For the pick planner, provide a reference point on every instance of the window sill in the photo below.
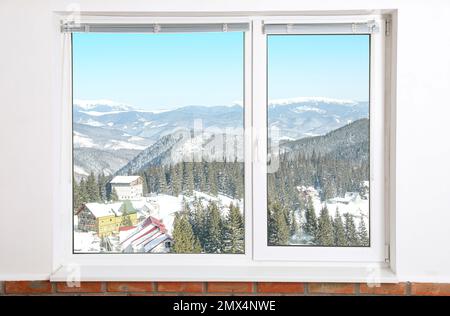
(225, 273)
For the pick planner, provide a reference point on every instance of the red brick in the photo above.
(28, 287)
(192, 287)
(130, 286)
(432, 289)
(85, 287)
(230, 287)
(280, 287)
(383, 289)
(331, 288)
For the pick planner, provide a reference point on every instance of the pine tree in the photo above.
(339, 231)
(114, 196)
(363, 235)
(188, 179)
(234, 231)
(238, 178)
(200, 171)
(102, 182)
(212, 180)
(162, 181)
(294, 227)
(183, 237)
(92, 188)
(76, 196)
(214, 229)
(145, 188)
(278, 226)
(198, 221)
(84, 196)
(175, 179)
(126, 208)
(325, 235)
(351, 235)
(310, 226)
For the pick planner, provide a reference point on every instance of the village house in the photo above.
(149, 236)
(128, 187)
(105, 219)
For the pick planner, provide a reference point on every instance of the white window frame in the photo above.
(257, 264)
(376, 251)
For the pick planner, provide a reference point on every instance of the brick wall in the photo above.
(218, 288)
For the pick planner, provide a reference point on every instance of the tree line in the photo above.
(203, 229)
(184, 177)
(329, 174)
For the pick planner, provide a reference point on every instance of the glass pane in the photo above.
(318, 140)
(158, 143)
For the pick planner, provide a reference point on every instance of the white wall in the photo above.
(29, 125)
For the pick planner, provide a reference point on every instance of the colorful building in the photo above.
(106, 219)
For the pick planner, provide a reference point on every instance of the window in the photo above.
(318, 147)
(320, 172)
(244, 142)
(158, 134)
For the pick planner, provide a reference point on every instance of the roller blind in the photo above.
(154, 28)
(322, 28)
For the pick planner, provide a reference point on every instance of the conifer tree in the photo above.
(198, 221)
(278, 225)
(234, 231)
(188, 179)
(339, 231)
(310, 226)
(363, 235)
(351, 235)
(202, 172)
(294, 227)
(102, 182)
(162, 181)
(175, 179)
(324, 235)
(126, 211)
(212, 180)
(76, 196)
(214, 229)
(183, 237)
(145, 187)
(114, 196)
(238, 178)
(84, 196)
(92, 188)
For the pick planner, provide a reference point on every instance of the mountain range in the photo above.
(119, 138)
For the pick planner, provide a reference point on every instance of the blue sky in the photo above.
(334, 66)
(160, 71)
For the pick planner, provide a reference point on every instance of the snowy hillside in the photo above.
(177, 147)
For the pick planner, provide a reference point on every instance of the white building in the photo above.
(128, 187)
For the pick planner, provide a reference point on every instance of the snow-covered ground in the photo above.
(86, 242)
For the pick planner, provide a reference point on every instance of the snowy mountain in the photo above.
(348, 142)
(303, 117)
(101, 106)
(179, 147)
(113, 132)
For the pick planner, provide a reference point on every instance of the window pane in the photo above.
(158, 143)
(318, 140)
